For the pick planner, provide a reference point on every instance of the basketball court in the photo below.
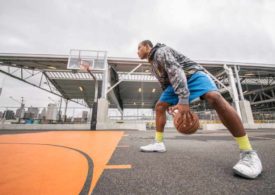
(109, 162)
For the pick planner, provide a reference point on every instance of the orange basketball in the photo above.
(187, 123)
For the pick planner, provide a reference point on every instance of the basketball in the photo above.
(187, 123)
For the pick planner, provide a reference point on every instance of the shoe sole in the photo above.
(243, 175)
(160, 151)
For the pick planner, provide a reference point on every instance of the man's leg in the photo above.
(161, 108)
(249, 165)
(158, 146)
(226, 112)
(167, 98)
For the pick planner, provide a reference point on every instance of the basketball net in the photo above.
(85, 65)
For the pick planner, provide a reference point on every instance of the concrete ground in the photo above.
(195, 164)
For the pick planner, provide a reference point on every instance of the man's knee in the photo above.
(161, 106)
(213, 98)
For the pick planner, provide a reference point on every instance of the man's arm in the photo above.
(175, 73)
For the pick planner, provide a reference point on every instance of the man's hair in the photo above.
(147, 42)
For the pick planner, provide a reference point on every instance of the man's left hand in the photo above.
(182, 108)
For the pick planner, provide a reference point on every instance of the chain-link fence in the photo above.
(77, 115)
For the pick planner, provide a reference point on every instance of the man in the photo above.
(182, 81)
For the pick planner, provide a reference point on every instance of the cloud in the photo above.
(207, 30)
(214, 29)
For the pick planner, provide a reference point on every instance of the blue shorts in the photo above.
(198, 84)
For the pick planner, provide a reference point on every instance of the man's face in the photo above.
(143, 51)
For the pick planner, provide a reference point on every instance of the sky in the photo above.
(227, 30)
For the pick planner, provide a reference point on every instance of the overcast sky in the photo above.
(233, 30)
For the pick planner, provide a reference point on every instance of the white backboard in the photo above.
(96, 60)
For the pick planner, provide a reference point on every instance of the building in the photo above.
(33, 112)
(52, 112)
(20, 112)
(42, 115)
(9, 114)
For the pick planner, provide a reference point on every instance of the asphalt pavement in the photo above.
(193, 164)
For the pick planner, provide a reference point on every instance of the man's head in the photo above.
(144, 48)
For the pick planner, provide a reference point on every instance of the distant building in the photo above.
(52, 112)
(20, 112)
(9, 115)
(77, 120)
(33, 112)
(42, 115)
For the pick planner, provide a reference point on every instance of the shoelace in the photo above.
(153, 143)
(246, 158)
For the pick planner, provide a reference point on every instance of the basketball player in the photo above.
(182, 81)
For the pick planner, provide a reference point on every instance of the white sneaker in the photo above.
(155, 147)
(249, 165)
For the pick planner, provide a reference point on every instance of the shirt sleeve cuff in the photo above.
(183, 101)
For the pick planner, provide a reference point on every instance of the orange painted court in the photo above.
(64, 162)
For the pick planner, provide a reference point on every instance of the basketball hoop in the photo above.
(85, 65)
(85, 60)
(89, 61)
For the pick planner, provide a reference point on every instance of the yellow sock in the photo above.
(159, 136)
(243, 142)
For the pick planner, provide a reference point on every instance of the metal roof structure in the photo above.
(139, 89)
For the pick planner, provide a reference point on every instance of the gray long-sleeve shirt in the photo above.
(172, 68)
